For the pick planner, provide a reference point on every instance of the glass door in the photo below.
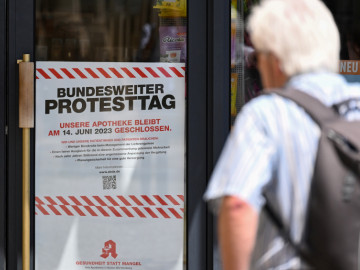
(110, 134)
(119, 156)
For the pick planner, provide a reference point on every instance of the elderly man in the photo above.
(274, 142)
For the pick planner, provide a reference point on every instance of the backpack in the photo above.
(331, 237)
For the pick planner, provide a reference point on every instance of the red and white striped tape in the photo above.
(129, 206)
(110, 72)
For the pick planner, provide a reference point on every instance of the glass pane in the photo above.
(116, 30)
(245, 78)
(110, 134)
(347, 18)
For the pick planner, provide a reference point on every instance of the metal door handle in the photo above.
(26, 121)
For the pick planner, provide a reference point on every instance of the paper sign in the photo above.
(110, 163)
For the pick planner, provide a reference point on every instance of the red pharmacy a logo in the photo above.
(109, 249)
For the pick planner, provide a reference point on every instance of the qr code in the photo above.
(109, 182)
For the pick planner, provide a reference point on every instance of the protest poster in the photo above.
(109, 166)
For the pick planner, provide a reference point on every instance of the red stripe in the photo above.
(184, 68)
(171, 198)
(136, 200)
(86, 199)
(162, 212)
(42, 72)
(117, 73)
(104, 73)
(147, 199)
(42, 209)
(88, 208)
(54, 210)
(57, 75)
(77, 209)
(37, 79)
(92, 73)
(124, 200)
(78, 72)
(128, 72)
(176, 72)
(62, 200)
(102, 211)
(67, 73)
(66, 210)
(112, 200)
(163, 71)
(173, 211)
(127, 212)
(75, 200)
(116, 213)
(102, 203)
(152, 214)
(137, 210)
(160, 200)
(142, 74)
(37, 199)
(152, 72)
(50, 200)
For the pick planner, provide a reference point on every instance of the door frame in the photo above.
(2, 135)
(19, 40)
(208, 119)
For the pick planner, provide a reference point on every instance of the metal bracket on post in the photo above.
(26, 121)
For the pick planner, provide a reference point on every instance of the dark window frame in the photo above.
(2, 135)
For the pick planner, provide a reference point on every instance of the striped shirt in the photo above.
(273, 141)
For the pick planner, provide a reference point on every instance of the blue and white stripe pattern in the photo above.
(273, 144)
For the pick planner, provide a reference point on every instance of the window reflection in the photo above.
(347, 16)
(111, 31)
(245, 78)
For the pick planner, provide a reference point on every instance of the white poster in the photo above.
(110, 154)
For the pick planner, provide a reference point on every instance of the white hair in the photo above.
(302, 34)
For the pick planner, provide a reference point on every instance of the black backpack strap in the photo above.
(318, 111)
